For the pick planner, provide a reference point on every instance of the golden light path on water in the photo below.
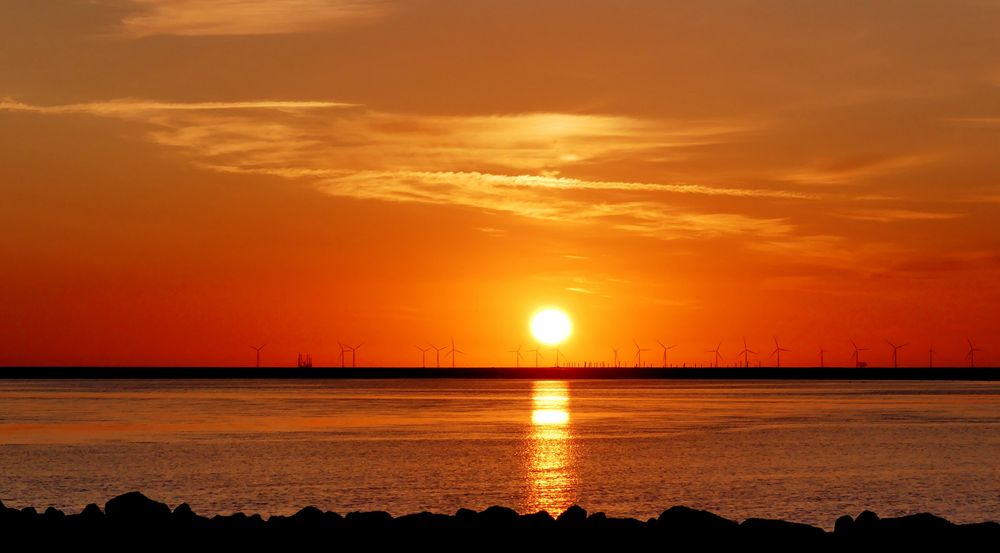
(551, 474)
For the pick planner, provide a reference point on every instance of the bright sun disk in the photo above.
(550, 326)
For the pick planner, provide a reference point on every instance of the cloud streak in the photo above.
(126, 107)
(244, 17)
(369, 155)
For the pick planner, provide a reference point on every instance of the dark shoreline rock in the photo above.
(133, 516)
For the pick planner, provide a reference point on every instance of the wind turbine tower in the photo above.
(517, 355)
(857, 354)
(777, 352)
(746, 354)
(423, 356)
(638, 353)
(354, 354)
(895, 353)
(665, 348)
(538, 354)
(257, 349)
(972, 354)
(453, 351)
(718, 356)
(437, 354)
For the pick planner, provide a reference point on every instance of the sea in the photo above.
(804, 451)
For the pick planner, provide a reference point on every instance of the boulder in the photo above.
(574, 515)
(685, 521)
(498, 517)
(135, 508)
(93, 512)
(781, 531)
(844, 526)
(369, 521)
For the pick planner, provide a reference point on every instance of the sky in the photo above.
(182, 179)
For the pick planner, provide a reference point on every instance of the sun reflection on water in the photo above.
(551, 472)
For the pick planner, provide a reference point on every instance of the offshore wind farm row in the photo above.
(541, 356)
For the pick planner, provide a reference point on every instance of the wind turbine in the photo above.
(453, 351)
(718, 355)
(257, 349)
(518, 356)
(537, 353)
(895, 353)
(777, 352)
(972, 354)
(437, 354)
(930, 357)
(423, 356)
(343, 357)
(857, 354)
(558, 354)
(665, 348)
(638, 353)
(354, 353)
(614, 349)
(746, 353)
(821, 361)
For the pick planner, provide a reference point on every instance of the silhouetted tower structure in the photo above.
(517, 355)
(454, 351)
(437, 354)
(746, 354)
(257, 349)
(972, 354)
(718, 356)
(777, 352)
(423, 356)
(538, 354)
(638, 353)
(895, 353)
(857, 356)
(665, 348)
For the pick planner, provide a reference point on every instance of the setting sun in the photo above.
(550, 326)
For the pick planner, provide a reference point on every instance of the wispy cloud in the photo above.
(579, 290)
(891, 215)
(244, 17)
(130, 108)
(853, 170)
(360, 154)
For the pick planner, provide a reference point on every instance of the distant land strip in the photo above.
(575, 373)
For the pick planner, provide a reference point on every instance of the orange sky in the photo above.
(183, 178)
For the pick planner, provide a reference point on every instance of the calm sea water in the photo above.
(804, 451)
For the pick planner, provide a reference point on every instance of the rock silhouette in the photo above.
(133, 520)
